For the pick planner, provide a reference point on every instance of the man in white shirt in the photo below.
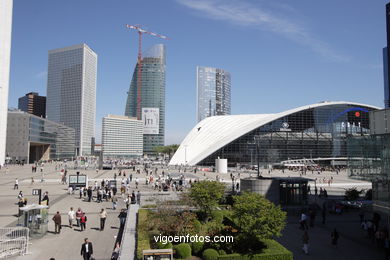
(71, 217)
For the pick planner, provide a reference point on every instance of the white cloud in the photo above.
(244, 14)
(41, 74)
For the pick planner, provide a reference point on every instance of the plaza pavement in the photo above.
(67, 244)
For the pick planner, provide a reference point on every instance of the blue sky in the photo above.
(281, 54)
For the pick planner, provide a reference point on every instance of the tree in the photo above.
(353, 193)
(206, 195)
(170, 222)
(256, 217)
(168, 149)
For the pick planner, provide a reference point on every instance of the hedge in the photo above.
(161, 245)
(143, 241)
(182, 251)
(197, 247)
(273, 251)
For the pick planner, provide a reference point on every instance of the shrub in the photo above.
(143, 241)
(197, 247)
(182, 251)
(197, 226)
(217, 216)
(161, 245)
(221, 252)
(210, 254)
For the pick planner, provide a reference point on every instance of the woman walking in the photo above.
(103, 216)
(305, 240)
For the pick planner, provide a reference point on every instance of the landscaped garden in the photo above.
(248, 221)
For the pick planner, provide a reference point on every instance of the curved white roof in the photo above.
(215, 132)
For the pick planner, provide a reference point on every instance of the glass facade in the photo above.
(319, 132)
(71, 92)
(152, 93)
(213, 92)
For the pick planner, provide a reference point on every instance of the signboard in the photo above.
(80, 180)
(36, 192)
(151, 120)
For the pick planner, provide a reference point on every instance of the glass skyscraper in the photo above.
(386, 59)
(5, 53)
(152, 97)
(213, 92)
(71, 92)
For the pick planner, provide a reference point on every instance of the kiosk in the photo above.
(158, 254)
(35, 218)
(78, 181)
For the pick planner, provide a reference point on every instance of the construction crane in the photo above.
(139, 62)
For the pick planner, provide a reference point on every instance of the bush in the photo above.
(217, 216)
(221, 252)
(197, 248)
(197, 226)
(210, 254)
(161, 245)
(182, 251)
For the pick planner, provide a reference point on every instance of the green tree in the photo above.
(256, 217)
(206, 195)
(167, 150)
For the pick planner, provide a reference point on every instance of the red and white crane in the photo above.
(139, 62)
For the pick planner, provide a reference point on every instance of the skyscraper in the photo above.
(71, 92)
(5, 53)
(212, 92)
(386, 59)
(152, 97)
(33, 103)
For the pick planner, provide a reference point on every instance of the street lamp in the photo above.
(185, 154)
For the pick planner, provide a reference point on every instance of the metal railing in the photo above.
(13, 241)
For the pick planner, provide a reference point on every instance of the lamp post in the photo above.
(185, 154)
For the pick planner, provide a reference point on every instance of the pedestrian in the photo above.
(335, 236)
(128, 201)
(115, 252)
(122, 217)
(32, 181)
(305, 240)
(45, 200)
(312, 215)
(136, 183)
(16, 185)
(71, 217)
(133, 198)
(114, 200)
(57, 222)
(303, 221)
(86, 249)
(138, 197)
(79, 214)
(83, 222)
(89, 193)
(103, 216)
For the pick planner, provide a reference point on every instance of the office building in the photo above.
(33, 103)
(213, 92)
(122, 137)
(5, 53)
(386, 59)
(312, 134)
(152, 97)
(31, 138)
(71, 92)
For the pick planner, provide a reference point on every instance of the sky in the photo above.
(281, 54)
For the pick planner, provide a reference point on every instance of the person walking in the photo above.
(79, 214)
(89, 193)
(138, 197)
(57, 222)
(83, 222)
(122, 217)
(114, 200)
(303, 221)
(71, 217)
(86, 249)
(335, 237)
(103, 216)
(305, 240)
(16, 185)
(128, 201)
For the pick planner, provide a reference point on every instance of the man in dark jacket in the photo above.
(86, 249)
(89, 193)
(57, 222)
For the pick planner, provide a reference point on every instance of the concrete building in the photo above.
(31, 138)
(33, 103)
(122, 137)
(5, 54)
(213, 92)
(152, 107)
(71, 92)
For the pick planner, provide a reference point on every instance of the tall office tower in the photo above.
(33, 103)
(386, 59)
(5, 53)
(152, 97)
(71, 92)
(212, 92)
(122, 137)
